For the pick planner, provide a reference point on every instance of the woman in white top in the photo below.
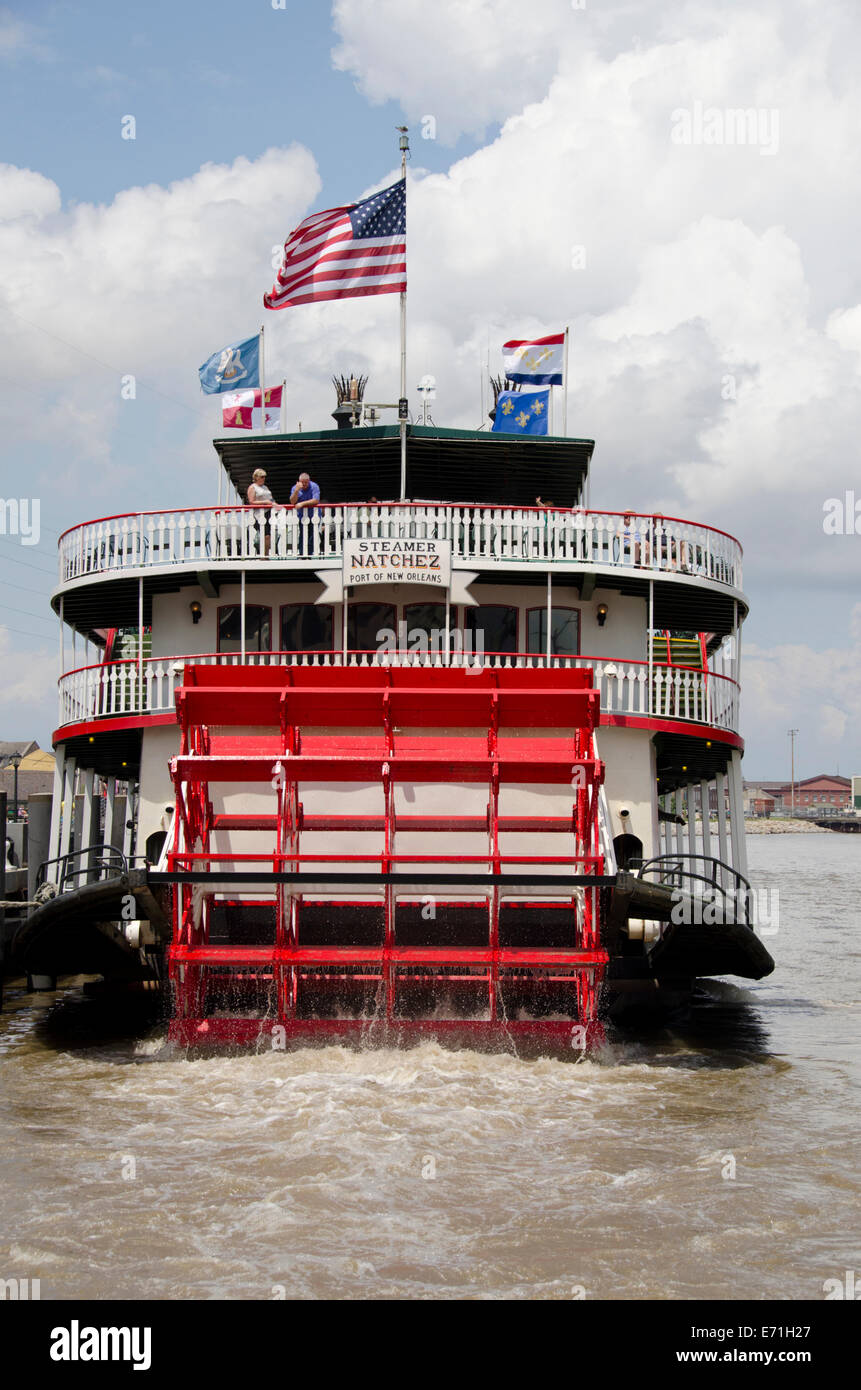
(258, 495)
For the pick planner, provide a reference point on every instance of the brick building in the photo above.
(825, 792)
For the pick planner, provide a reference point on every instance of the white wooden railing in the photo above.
(116, 689)
(202, 536)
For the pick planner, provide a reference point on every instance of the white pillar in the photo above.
(242, 616)
(720, 787)
(691, 804)
(56, 803)
(89, 834)
(651, 640)
(549, 615)
(131, 816)
(705, 801)
(110, 809)
(736, 815)
(69, 781)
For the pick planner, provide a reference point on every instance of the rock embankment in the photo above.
(761, 825)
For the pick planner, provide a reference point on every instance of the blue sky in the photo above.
(552, 130)
(204, 81)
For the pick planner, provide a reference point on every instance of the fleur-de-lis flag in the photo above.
(521, 412)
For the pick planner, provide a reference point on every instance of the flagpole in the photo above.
(404, 145)
(284, 406)
(262, 387)
(565, 386)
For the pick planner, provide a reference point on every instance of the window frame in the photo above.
(319, 606)
(556, 608)
(222, 608)
(370, 603)
(454, 612)
(512, 608)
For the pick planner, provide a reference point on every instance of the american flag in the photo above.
(358, 249)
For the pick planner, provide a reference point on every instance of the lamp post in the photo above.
(15, 761)
(792, 733)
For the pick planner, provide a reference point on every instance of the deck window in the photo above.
(498, 624)
(307, 627)
(365, 620)
(564, 631)
(258, 628)
(429, 618)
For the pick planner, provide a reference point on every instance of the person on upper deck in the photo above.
(303, 497)
(258, 495)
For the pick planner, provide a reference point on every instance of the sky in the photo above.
(576, 163)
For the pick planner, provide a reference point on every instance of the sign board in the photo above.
(377, 561)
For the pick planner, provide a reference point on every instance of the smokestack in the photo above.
(350, 391)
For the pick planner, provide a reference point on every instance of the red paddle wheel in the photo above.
(366, 852)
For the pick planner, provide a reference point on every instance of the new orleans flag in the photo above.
(521, 412)
(539, 362)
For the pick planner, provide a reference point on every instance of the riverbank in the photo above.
(761, 825)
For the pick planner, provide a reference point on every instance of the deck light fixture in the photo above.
(601, 614)
(196, 610)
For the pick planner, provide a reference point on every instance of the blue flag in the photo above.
(236, 365)
(521, 412)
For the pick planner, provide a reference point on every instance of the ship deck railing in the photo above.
(89, 864)
(498, 537)
(705, 877)
(120, 689)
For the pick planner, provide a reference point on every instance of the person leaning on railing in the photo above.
(303, 497)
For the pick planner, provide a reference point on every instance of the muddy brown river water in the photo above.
(714, 1159)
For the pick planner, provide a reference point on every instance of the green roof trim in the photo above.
(445, 465)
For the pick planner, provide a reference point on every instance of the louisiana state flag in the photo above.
(232, 367)
(521, 412)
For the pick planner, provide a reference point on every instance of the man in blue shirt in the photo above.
(304, 495)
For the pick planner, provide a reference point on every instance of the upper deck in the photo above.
(701, 566)
(487, 485)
